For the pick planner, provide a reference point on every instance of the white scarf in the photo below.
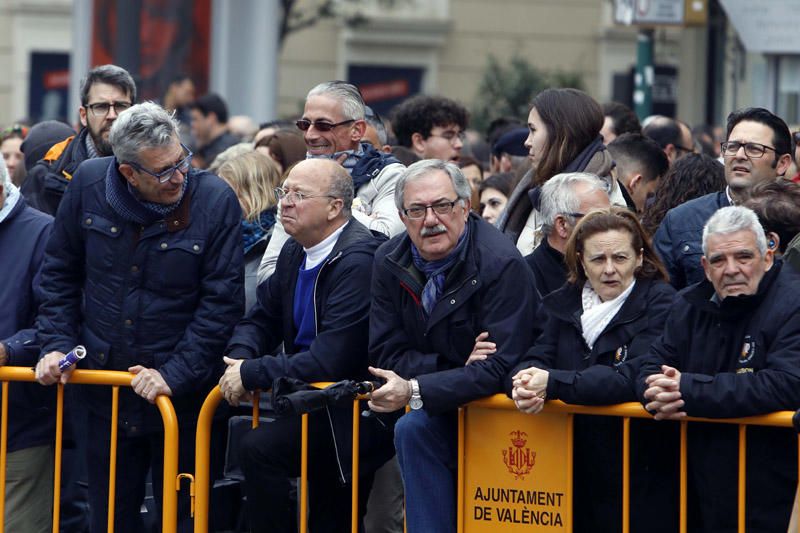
(597, 314)
(12, 197)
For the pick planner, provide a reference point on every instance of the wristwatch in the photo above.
(416, 400)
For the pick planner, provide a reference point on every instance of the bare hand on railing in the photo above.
(482, 348)
(664, 393)
(530, 389)
(48, 372)
(392, 395)
(230, 384)
(149, 383)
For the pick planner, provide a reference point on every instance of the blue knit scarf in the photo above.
(253, 232)
(124, 200)
(436, 271)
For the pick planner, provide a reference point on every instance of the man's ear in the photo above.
(773, 241)
(358, 130)
(418, 143)
(127, 172)
(706, 267)
(670, 150)
(634, 182)
(784, 162)
(560, 227)
(82, 116)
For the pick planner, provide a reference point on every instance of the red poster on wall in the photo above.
(155, 40)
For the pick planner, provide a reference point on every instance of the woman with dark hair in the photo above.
(493, 195)
(564, 136)
(692, 176)
(612, 308)
(473, 171)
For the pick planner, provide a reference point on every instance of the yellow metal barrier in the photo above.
(628, 411)
(203, 457)
(169, 522)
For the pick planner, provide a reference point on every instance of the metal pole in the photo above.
(643, 79)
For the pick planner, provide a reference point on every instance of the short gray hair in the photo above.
(342, 187)
(732, 219)
(426, 166)
(145, 125)
(347, 93)
(558, 196)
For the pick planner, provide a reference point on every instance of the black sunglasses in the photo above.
(321, 125)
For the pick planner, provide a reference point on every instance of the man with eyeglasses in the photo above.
(758, 149)
(432, 126)
(451, 277)
(317, 305)
(107, 91)
(145, 269)
(333, 126)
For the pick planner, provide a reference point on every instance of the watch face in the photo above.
(415, 403)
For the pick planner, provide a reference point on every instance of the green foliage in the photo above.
(507, 90)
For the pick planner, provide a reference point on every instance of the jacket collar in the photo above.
(565, 303)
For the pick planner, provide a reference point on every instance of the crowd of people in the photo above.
(575, 254)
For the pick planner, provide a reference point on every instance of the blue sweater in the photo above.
(304, 313)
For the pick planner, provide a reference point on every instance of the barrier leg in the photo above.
(460, 487)
(3, 454)
(354, 491)
(684, 479)
(742, 476)
(304, 476)
(112, 457)
(570, 466)
(626, 475)
(57, 462)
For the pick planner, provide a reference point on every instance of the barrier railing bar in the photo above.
(112, 458)
(742, 476)
(684, 481)
(256, 407)
(355, 464)
(169, 506)
(570, 450)
(626, 475)
(304, 475)
(460, 466)
(202, 476)
(798, 477)
(58, 454)
(3, 452)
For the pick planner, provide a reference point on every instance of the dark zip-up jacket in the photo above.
(47, 180)
(605, 375)
(489, 289)
(23, 237)
(339, 350)
(738, 358)
(678, 239)
(165, 296)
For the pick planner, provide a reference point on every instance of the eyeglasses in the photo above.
(451, 136)
(751, 150)
(684, 149)
(321, 125)
(440, 208)
(101, 109)
(166, 174)
(296, 197)
(574, 215)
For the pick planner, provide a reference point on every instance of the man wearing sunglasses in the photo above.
(145, 269)
(107, 91)
(333, 126)
(758, 149)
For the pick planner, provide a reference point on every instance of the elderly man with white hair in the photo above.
(24, 232)
(731, 348)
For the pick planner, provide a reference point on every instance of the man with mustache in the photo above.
(451, 277)
(106, 91)
(758, 149)
(333, 126)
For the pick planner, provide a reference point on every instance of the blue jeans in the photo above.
(427, 449)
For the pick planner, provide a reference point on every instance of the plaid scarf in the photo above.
(436, 271)
(124, 199)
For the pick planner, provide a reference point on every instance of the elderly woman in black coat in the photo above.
(613, 307)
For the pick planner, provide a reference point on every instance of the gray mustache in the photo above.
(435, 230)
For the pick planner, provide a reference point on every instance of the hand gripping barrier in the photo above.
(202, 461)
(116, 380)
(627, 411)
